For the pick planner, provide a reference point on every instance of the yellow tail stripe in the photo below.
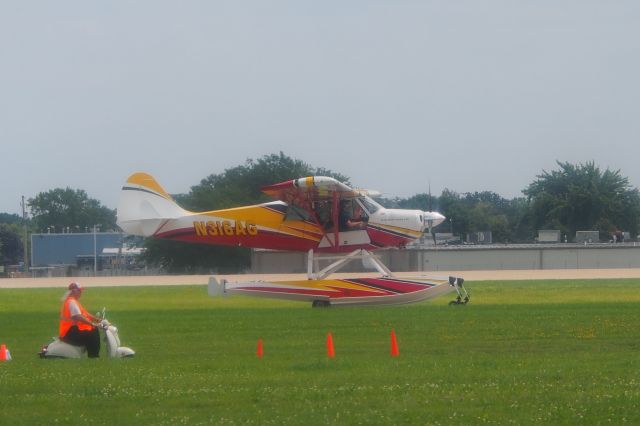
(147, 181)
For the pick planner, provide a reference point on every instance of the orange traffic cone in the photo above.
(260, 350)
(330, 350)
(3, 352)
(394, 344)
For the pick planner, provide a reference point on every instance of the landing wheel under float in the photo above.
(320, 304)
(463, 295)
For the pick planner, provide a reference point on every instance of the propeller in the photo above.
(432, 218)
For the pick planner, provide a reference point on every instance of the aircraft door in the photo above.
(352, 224)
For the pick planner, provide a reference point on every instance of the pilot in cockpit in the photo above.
(351, 217)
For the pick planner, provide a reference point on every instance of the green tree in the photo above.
(61, 208)
(519, 218)
(425, 202)
(10, 218)
(11, 247)
(583, 197)
(478, 211)
(453, 206)
(236, 186)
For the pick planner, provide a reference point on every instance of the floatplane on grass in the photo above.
(313, 214)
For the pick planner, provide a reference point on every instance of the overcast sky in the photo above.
(470, 95)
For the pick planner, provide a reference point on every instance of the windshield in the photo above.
(369, 205)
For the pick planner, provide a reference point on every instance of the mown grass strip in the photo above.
(521, 352)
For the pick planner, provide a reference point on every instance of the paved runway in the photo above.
(161, 280)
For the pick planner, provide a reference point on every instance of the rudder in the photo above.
(144, 206)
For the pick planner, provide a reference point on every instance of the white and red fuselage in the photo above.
(309, 216)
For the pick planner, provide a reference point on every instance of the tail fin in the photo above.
(144, 206)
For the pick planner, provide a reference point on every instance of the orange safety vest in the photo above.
(66, 322)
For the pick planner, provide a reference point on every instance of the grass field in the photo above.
(523, 352)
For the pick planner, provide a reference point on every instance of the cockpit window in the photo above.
(370, 206)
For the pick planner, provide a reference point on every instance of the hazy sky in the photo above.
(471, 95)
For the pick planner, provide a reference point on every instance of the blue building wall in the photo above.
(64, 249)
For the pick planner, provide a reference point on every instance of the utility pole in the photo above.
(95, 253)
(26, 241)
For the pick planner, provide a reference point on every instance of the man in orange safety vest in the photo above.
(77, 326)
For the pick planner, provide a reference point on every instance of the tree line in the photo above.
(571, 198)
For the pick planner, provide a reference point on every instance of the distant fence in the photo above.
(465, 258)
(439, 258)
(72, 271)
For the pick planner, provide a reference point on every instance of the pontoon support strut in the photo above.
(341, 262)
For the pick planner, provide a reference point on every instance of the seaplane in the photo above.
(318, 215)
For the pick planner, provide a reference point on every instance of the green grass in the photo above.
(561, 352)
